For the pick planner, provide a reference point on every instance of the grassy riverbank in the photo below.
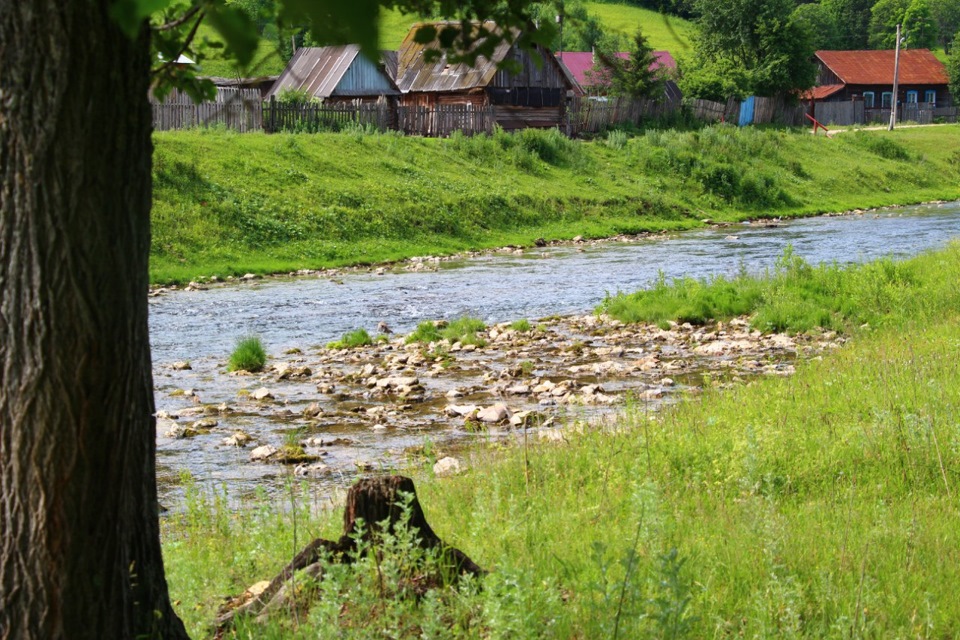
(820, 505)
(227, 203)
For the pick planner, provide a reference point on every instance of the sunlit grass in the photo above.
(227, 204)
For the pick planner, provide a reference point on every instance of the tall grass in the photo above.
(794, 297)
(822, 505)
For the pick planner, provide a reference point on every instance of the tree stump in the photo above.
(375, 506)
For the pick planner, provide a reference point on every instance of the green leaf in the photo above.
(238, 31)
(130, 14)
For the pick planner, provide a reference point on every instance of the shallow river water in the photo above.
(202, 326)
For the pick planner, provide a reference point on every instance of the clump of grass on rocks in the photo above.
(352, 340)
(248, 355)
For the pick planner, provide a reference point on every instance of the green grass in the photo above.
(796, 297)
(227, 203)
(822, 505)
(663, 32)
(248, 355)
(351, 340)
(522, 325)
(463, 330)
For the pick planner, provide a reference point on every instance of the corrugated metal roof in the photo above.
(821, 92)
(917, 66)
(414, 73)
(580, 62)
(320, 70)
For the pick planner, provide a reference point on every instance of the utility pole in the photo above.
(896, 73)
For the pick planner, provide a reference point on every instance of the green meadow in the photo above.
(823, 505)
(227, 203)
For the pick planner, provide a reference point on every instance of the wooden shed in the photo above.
(533, 96)
(336, 74)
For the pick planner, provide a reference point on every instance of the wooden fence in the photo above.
(314, 117)
(592, 115)
(238, 109)
(442, 120)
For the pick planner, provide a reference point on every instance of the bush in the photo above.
(248, 355)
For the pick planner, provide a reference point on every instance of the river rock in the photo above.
(397, 382)
(447, 466)
(526, 418)
(494, 414)
(205, 424)
(313, 410)
(180, 431)
(238, 439)
(181, 366)
(461, 410)
(262, 452)
(262, 394)
(314, 470)
(518, 390)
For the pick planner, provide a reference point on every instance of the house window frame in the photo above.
(886, 100)
(869, 99)
(913, 97)
(930, 96)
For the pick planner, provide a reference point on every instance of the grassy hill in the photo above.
(227, 203)
(663, 32)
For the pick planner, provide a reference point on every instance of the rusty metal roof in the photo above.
(917, 66)
(821, 92)
(414, 73)
(320, 71)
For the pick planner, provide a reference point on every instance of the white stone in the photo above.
(262, 452)
(262, 394)
(447, 466)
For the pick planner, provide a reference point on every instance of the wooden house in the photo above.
(867, 76)
(337, 74)
(534, 96)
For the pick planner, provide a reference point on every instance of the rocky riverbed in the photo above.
(325, 413)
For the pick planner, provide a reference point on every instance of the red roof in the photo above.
(824, 91)
(917, 66)
(580, 62)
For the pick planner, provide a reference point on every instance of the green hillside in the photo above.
(663, 32)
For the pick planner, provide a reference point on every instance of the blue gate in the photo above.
(746, 112)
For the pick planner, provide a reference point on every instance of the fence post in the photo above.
(273, 114)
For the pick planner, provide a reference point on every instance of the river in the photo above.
(202, 326)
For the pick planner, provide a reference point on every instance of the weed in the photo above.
(248, 355)
(425, 332)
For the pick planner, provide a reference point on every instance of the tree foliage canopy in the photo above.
(760, 38)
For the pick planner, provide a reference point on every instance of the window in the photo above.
(912, 97)
(868, 99)
(930, 96)
(886, 100)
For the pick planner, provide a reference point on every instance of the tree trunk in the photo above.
(79, 538)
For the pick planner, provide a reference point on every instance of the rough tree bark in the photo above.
(79, 541)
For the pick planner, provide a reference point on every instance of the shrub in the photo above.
(248, 355)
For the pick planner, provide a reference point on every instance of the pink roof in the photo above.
(580, 62)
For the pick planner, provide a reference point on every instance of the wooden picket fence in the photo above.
(237, 109)
(313, 117)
